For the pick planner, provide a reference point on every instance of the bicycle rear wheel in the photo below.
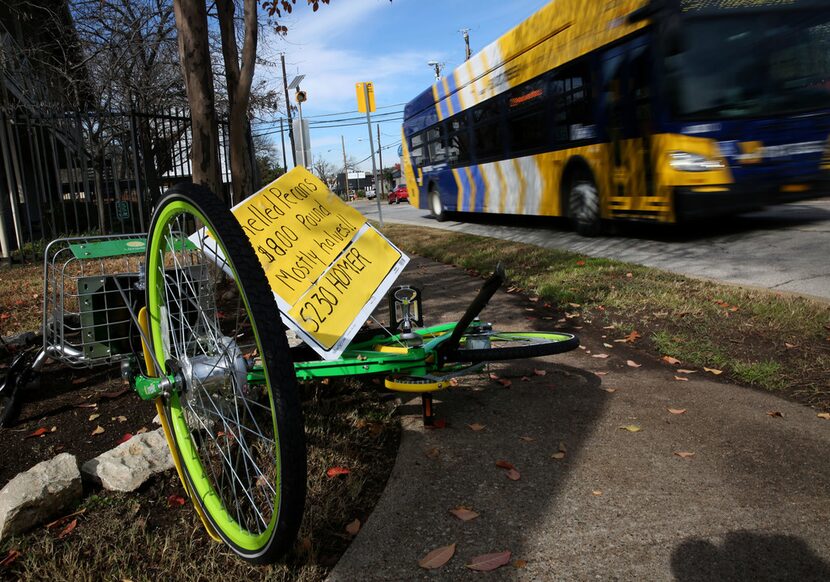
(511, 345)
(212, 316)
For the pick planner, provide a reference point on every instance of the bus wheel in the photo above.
(583, 207)
(436, 206)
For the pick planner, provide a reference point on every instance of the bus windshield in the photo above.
(750, 65)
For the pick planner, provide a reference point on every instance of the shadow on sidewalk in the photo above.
(748, 556)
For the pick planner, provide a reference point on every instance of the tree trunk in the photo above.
(239, 80)
(194, 55)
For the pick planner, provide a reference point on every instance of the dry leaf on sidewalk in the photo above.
(437, 557)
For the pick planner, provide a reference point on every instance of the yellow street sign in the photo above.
(328, 268)
(362, 96)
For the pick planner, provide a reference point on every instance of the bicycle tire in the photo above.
(513, 345)
(241, 444)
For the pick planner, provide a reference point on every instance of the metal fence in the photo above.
(77, 173)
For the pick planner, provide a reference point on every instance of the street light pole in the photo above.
(372, 149)
(437, 66)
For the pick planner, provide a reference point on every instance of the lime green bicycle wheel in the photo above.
(212, 320)
(491, 346)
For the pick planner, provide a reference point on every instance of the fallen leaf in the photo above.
(682, 371)
(596, 492)
(433, 453)
(681, 378)
(630, 338)
(113, 393)
(39, 432)
(540, 372)
(68, 529)
(611, 390)
(514, 475)
(98, 430)
(677, 410)
(125, 438)
(632, 364)
(789, 346)
(607, 345)
(87, 405)
(559, 455)
(601, 373)
(175, 500)
(10, 558)
(353, 527)
(824, 415)
(437, 557)
(580, 263)
(142, 430)
(476, 427)
(488, 562)
(525, 379)
(629, 275)
(336, 472)
(775, 413)
(670, 360)
(527, 439)
(713, 371)
(464, 514)
(505, 382)
(504, 464)
(684, 454)
(77, 381)
(120, 418)
(575, 305)
(94, 416)
(63, 519)
(602, 356)
(631, 428)
(519, 564)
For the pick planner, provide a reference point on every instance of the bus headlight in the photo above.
(689, 162)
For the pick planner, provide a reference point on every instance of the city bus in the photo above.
(658, 110)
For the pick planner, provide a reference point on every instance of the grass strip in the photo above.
(775, 341)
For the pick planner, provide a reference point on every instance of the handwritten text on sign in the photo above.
(327, 267)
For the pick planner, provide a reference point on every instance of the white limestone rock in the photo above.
(43, 492)
(130, 464)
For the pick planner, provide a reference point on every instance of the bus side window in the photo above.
(459, 139)
(435, 147)
(416, 149)
(527, 115)
(489, 141)
(573, 116)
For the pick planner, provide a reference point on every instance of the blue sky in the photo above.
(388, 43)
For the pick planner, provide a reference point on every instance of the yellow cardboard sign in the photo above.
(362, 96)
(328, 268)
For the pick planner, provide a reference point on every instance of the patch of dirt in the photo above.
(73, 402)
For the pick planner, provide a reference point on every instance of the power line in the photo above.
(324, 126)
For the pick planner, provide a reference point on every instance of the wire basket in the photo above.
(86, 321)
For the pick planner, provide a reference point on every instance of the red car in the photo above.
(398, 194)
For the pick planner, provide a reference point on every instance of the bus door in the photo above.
(626, 85)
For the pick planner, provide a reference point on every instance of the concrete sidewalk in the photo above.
(753, 503)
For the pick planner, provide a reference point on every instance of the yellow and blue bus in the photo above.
(654, 110)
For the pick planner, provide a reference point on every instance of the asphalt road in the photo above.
(782, 248)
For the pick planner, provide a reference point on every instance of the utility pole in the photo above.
(345, 166)
(282, 139)
(466, 33)
(380, 156)
(288, 111)
(372, 147)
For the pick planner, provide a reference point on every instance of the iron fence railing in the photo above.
(77, 173)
